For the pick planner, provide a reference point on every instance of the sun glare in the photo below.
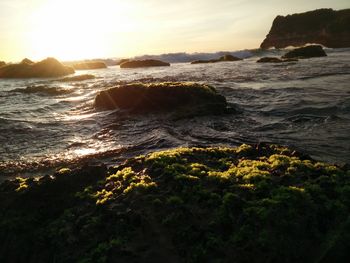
(75, 29)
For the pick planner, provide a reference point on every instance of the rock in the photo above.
(144, 63)
(46, 68)
(27, 61)
(77, 78)
(323, 26)
(122, 61)
(2, 63)
(89, 65)
(224, 58)
(275, 60)
(306, 52)
(197, 204)
(168, 96)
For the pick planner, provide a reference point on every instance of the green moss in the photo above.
(190, 204)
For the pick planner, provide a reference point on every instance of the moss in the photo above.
(185, 204)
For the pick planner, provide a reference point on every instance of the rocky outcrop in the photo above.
(77, 78)
(89, 65)
(306, 52)
(324, 26)
(181, 205)
(275, 60)
(2, 63)
(221, 59)
(161, 97)
(144, 63)
(122, 61)
(27, 61)
(46, 68)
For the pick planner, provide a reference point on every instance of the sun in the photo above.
(75, 29)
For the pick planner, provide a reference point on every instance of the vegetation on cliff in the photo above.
(261, 203)
(323, 26)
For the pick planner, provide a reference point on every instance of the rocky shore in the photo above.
(182, 205)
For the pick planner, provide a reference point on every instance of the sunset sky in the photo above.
(76, 29)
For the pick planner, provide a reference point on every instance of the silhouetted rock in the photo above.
(27, 61)
(122, 61)
(275, 60)
(168, 96)
(77, 78)
(46, 68)
(324, 26)
(89, 65)
(306, 52)
(224, 58)
(144, 63)
(2, 63)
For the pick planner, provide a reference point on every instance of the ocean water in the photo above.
(46, 124)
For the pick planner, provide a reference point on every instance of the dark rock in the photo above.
(46, 68)
(143, 63)
(77, 78)
(166, 96)
(224, 58)
(275, 60)
(2, 63)
(324, 26)
(306, 52)
(27, 61)
(122, 61)
(89, 65)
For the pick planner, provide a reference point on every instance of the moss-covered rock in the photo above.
(143, 63)
(167, 96)
(306, 52)
(260, 203)
(46, 68)
(89, 65)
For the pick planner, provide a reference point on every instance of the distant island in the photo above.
(323, 26)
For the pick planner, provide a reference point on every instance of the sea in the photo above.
(46, 124)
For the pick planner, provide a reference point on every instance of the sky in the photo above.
(78, 29)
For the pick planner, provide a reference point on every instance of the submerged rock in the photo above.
(89, 65)
(224, 58)
(168, 96)
(143, 63)
(306, 52)
(324, 26)
(77, 78)
(275, 60)
(46, 68)
(182, 205)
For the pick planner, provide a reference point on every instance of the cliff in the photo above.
(323, 26)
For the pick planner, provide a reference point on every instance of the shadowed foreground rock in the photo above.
(143, 63)
(275, 60)
(77, 78)
(167, 96)
(46, 68)
(225, 58)
(324, 26)
(254, 204)
(306, 52)
(89, 65)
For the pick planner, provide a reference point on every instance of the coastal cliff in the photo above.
(323, 26)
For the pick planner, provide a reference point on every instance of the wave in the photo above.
(43, 90)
